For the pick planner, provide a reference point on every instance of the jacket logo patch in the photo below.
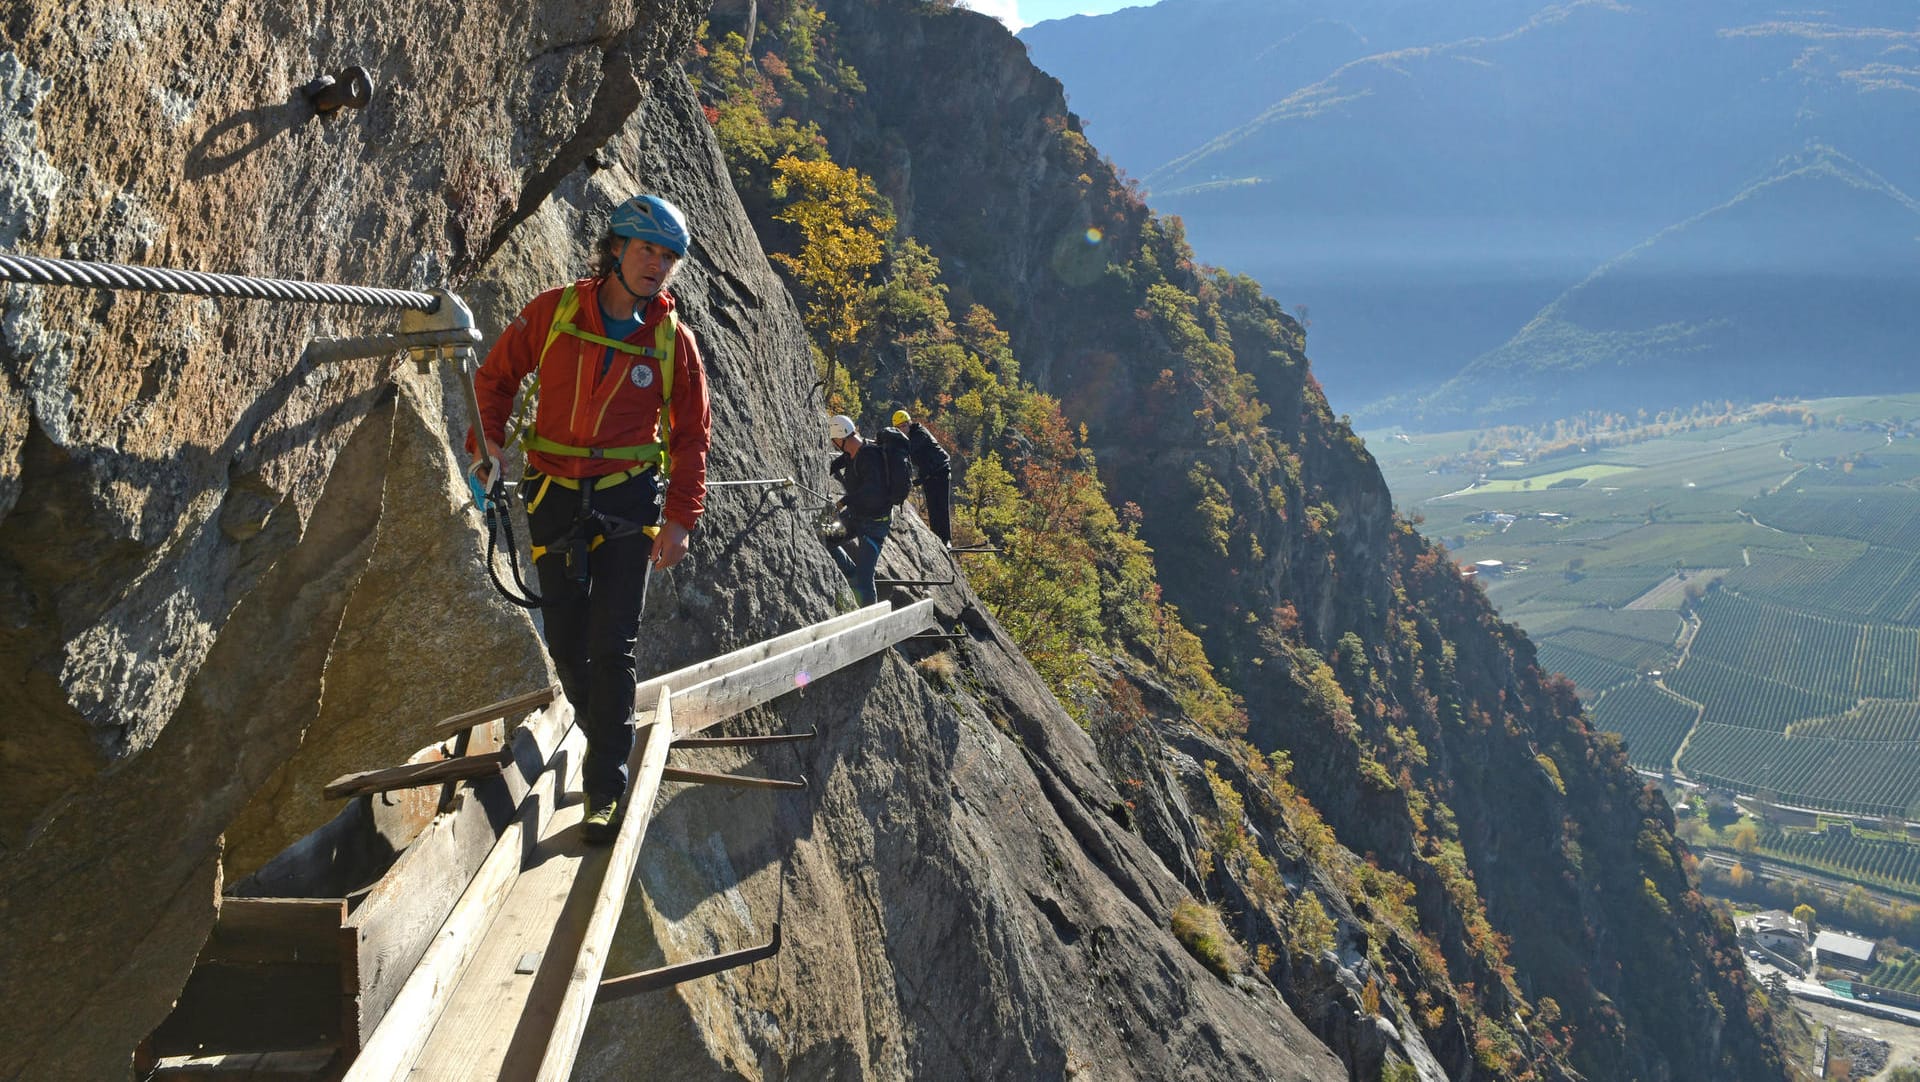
(642, 376)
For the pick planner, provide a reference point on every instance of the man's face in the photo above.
(839, 442)
(645, 266)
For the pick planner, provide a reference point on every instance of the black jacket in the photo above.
(864, 477)
(929, 458)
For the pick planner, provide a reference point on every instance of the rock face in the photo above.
(226, 574)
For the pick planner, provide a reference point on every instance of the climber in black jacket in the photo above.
(865, 511)
(934, 468)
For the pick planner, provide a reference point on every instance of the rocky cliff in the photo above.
(228, 573)
(1519, 890)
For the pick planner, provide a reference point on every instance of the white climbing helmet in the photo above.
(840, 426)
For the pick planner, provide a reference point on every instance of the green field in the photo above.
(1577, 477)
(1738, 596)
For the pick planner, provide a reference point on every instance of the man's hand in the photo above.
(669, 545)
(481, 466)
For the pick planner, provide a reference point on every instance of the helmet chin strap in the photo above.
(641, 300)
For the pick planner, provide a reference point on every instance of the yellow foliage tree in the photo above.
(1746, 837)
(843, 224)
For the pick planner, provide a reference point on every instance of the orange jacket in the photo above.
(581, 407)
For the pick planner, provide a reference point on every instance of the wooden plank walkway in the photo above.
(505, 988)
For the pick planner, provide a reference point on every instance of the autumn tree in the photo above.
(843, 225)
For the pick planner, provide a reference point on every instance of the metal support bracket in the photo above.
(335, 350)
(651, 980)
(741, 741)
(738, 781)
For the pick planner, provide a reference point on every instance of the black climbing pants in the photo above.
(591, 626)
(939, 492)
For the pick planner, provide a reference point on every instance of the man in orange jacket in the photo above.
(618, 445)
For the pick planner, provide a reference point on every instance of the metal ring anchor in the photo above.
(350, 88)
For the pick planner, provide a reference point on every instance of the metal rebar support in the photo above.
(633, 984)
(740, 741)
(783, 482)
(814, 492)
(738, 781)
(38, 270)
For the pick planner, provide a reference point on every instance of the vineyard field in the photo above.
(1880, 861)
(1856, 588)
(1890, 664)
(1809, 653)
(1886, 722)
(1653, 721)
(1740, 699)
(1888, 517)
(1656, 626)
(1633, 653)
(1903, 976)
(1771, 557)
(1853, 776)
(1590, 674)
(1547, 589)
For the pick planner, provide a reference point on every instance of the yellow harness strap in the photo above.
(666, 335)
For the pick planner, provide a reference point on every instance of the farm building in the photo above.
(1775, 930)
(1845, 951)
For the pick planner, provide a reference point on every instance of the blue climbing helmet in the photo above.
(651, 218)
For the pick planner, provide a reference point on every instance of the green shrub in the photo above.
(1199, 928)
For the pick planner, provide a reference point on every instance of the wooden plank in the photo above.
(276, 930)
(414, 775)
(396, 921)
(518, 704)
(649, 760)
(715, 700)
(405, 1028)
(681, 679)
(528, 951)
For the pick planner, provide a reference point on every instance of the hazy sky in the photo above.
(1018, 14)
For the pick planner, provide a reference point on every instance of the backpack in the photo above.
(896, 457)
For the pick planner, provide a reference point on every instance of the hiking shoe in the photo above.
(602, 823)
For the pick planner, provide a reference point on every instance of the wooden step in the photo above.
(272, 976)
(414, 775)
(518, 704)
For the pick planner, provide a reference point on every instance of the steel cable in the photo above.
(39, 270)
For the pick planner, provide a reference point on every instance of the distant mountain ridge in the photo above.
(1751, 287)
(1428, 182)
